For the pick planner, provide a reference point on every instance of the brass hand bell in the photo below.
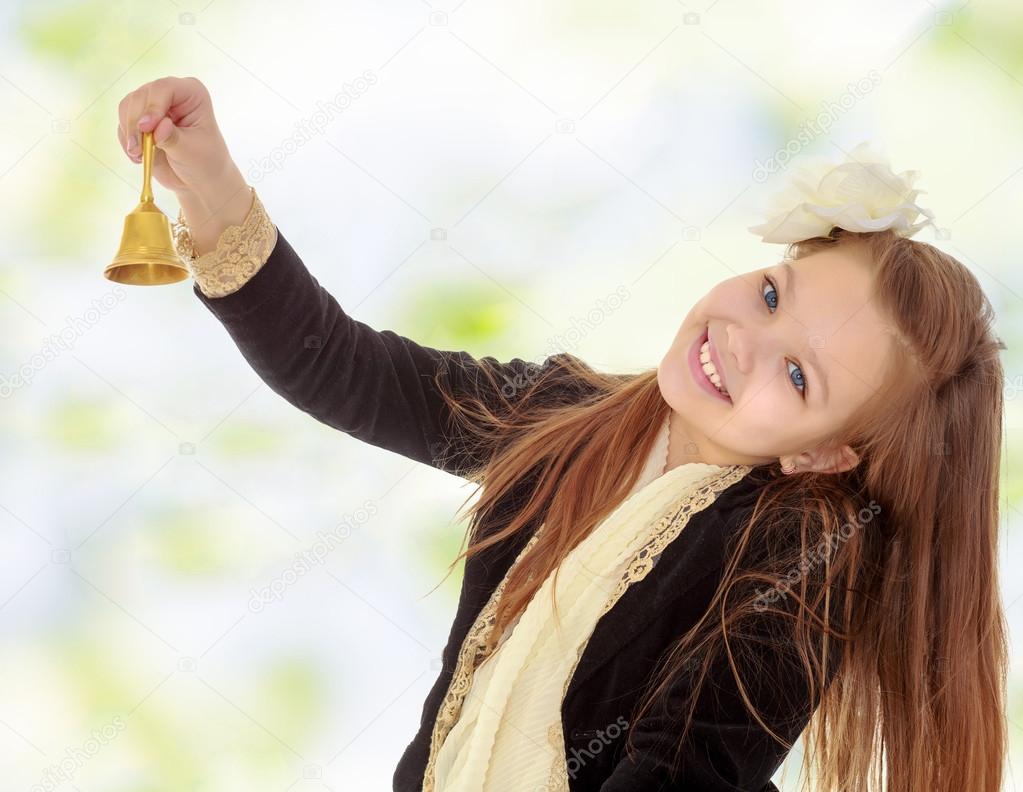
(147, 256)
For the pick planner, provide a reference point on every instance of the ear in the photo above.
(827, 459)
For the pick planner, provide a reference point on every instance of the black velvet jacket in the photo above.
(377, 386)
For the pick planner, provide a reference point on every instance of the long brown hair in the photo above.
(879, 582)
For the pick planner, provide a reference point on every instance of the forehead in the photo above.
(834, 304)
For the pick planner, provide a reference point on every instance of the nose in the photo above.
(742, 346)
(735, 348)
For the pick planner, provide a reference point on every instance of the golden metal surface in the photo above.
(146, 256)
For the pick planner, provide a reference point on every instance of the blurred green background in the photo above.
(504, 170)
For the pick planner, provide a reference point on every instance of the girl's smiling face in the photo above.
(798, 346)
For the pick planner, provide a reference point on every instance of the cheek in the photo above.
(670, 370)
(765, 404)
(769, 413)
(731, 293)
(766, 425)
(676, 352)
(764, 409)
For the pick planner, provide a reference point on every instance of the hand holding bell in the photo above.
(168, 125)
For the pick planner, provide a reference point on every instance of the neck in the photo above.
(686, 445)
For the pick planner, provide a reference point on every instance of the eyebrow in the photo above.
(811, 354)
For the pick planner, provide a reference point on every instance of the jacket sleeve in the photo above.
(377, 386)
(725, 749)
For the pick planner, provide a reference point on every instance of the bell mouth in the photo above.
(146, 255)
(145, 273)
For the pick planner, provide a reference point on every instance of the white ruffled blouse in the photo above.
(498, 728)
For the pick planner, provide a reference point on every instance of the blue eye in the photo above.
(801, 382)
(772, 304)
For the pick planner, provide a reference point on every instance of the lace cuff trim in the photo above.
(239, 253)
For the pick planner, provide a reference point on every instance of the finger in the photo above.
(165, 134)
(124, 145)
(123, 139)
(168, 96)
(129, 110)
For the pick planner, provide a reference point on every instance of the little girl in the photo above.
(789, 527)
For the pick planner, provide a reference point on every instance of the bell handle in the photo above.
(148, 147)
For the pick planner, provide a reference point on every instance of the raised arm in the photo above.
(377, 386)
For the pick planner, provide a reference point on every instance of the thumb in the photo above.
(165, 135)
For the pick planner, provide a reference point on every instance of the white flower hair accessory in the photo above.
(860, 194)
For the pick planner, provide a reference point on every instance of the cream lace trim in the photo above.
(238, 255)
(474, 651)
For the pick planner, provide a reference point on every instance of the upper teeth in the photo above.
(708, 367)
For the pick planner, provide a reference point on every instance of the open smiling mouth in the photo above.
(703, 369)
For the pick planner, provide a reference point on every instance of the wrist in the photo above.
(214, 207)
